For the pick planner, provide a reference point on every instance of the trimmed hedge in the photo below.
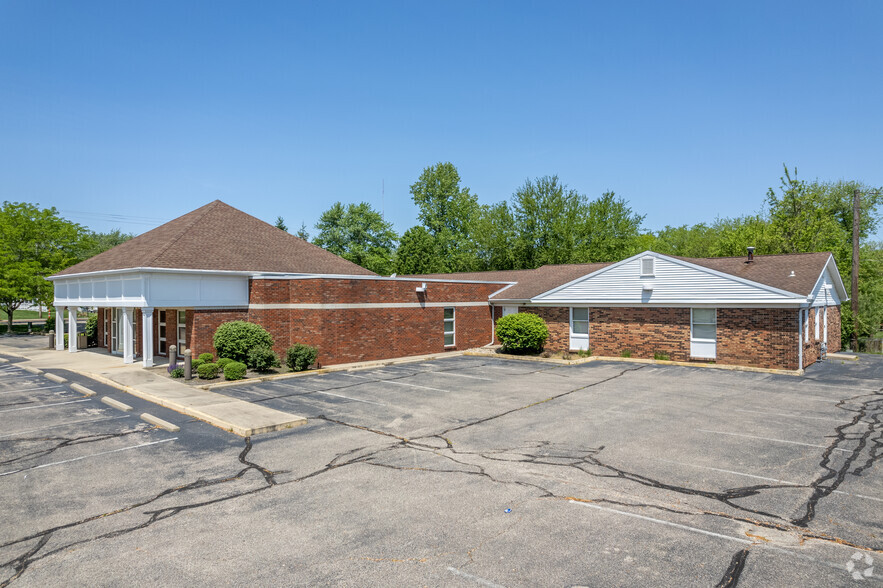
(262, 359)
(208, 371)
(234, 371)
(177, 373)
(300, 357)
(236, 338)
(522, 332)
(206, 357)
(194, 364)
(222, 363)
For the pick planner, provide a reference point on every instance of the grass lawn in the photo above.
(25, 314)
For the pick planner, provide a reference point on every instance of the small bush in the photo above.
(236, 338)
(206, 357)
(194, 364)
(222, 363)
(50, 323)
(522, 332)
(300, 357)
(625, 353)
(584, 353)
(262, 359)
(208, 371)
(177, 373)
(661, 356)
(234, 370)
(92, 326)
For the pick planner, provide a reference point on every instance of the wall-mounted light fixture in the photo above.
(422, 288)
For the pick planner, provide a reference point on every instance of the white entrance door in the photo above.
(162, 332)
(579, 328)
(115, 345)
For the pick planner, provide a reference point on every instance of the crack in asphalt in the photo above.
(21, 563)
(737, 564)
(64, 442)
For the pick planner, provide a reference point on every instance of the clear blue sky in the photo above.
(128, 114)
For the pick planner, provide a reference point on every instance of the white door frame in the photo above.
(579, 341)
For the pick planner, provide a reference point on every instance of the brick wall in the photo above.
(812, 349)
(759, 337)
(202, 324)
(835, 340)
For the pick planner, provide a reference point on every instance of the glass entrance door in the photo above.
(115, 330)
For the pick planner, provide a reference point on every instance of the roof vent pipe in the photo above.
(750, 254)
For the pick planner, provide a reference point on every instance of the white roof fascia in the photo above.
(682, 263)
(837, 281)
(793, 303)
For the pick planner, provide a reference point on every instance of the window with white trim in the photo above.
(806, 325)
(579, 321)
(703, 324)
(449, 327)
(647, 266)
(182, 332)
(817, 321)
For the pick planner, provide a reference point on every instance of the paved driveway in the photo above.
(467, 471)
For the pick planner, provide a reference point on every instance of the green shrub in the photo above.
(234, 371)
(92, 325)
(262, 359)
(208, 371)
(300, 357)
(222, 363)
(50, 323)
(206, 357)
(177, 373)
(236, 338)
(522, 332)
(194, 364)
(625, 353)
(661, 356)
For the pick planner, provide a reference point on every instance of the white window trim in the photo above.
(162, 321)
(692, 338)
(453, 331)
(572, 332)
(180, 350)
(817, 321)
(652, 261)
(825, 320)
(806, 325)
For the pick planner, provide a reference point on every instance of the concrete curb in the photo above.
(55, 378)
(846, 356)
(116, 404)
(194, 412)
(3, 360)
(343, 367)
(82, 390)
(716, 366)
(156, 421)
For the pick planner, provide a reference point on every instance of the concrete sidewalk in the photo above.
(231, 414)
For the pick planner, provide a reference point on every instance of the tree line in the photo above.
(547, 222)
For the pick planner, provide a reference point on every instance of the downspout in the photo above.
(799, 339)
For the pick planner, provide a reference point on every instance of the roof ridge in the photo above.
(206, 208)
(746, 256)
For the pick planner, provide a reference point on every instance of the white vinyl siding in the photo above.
(450, 330)
(579, 328)
(703, 333)
(673, 283)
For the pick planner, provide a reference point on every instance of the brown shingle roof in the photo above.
(771, 270)
(219, 237)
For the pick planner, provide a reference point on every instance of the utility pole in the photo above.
(856, 222)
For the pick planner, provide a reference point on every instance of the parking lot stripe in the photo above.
(55, 463)
(771, 439)
(44, 405)
(474, 578)
(662, 522)
(20, 390)
(396, 383)
(64, 424)
(793, 416)
(347, 397)
(458, 375)
(693, 465)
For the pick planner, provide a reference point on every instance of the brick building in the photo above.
(176, 284)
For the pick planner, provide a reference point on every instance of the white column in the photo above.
(127, 330)
(72, 328)
(59, 328)
(147, 337)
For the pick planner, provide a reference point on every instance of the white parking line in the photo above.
(792, 416)
(55, 463)
(20, 390)
(347, 397)
(770, 439)
(44, 405)
(693, 465)
(64, 424)
(441, 373)
(662, 522)
(33, 376)
(411, 385)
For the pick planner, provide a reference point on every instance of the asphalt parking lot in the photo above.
(463, 471)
